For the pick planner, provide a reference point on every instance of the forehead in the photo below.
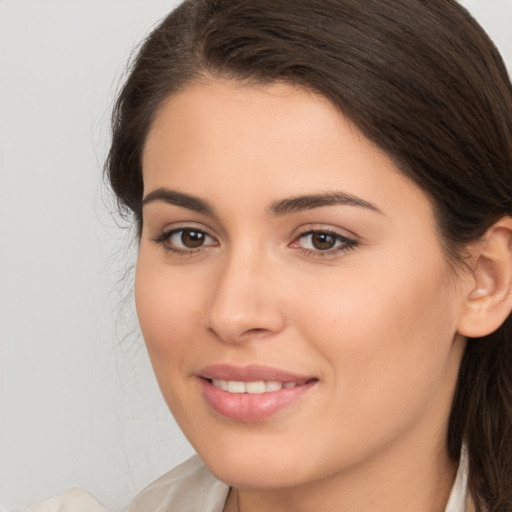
(209, 111)
(253, 141)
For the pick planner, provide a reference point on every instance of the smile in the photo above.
(251, 393)
(253, 387)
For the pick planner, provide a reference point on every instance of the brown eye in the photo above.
(185, 240)
(322, 241)
(192, 239)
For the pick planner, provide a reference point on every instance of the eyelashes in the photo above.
(322, 243)
(185, 241)
(190, 241)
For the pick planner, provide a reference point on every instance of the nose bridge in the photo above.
(243, 302)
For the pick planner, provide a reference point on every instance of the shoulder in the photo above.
(188, 487)
(73, 500)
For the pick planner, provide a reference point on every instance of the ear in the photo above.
(489, 302)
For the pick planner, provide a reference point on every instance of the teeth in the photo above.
(273, 385)
(222, 384)
(254, 388)
(236, 387)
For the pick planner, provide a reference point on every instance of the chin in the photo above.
(258, 473)
(253, 462)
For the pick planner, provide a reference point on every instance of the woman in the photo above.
(322, 191)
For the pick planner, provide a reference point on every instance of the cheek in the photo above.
(386, 331)
(168, 314)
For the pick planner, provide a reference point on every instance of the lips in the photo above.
(251, 393)
(250, 373)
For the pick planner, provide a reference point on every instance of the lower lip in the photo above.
(248, 407)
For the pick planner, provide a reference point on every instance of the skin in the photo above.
(375, 321)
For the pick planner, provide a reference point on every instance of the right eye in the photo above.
(185, 240)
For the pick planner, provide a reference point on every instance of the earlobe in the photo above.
(489, 302)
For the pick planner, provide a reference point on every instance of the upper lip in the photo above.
(250, 373)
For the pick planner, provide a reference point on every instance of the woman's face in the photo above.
(291, 288)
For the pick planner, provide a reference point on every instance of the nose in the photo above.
(245, 302)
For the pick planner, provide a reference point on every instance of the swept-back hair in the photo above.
(422, 80)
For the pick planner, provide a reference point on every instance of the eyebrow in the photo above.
(179, 199)
(309, 202)
(276, 209)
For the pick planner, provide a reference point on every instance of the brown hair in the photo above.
(422, 80)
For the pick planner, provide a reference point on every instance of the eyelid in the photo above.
(177, 226)
(343, 242)
(334, 234)
(164, 235)
(171, 231)
(316, 227)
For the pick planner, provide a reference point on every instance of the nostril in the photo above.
(255, 332)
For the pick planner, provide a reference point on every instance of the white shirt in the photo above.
(190, 487)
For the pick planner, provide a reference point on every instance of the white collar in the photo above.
(458, 495)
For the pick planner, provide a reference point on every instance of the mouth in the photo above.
(254, 387)
(253, 393)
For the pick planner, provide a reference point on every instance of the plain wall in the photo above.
(79, 403)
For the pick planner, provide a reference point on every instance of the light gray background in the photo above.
(79, 404)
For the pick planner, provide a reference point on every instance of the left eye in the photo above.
(186, 239)
(322, 241)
